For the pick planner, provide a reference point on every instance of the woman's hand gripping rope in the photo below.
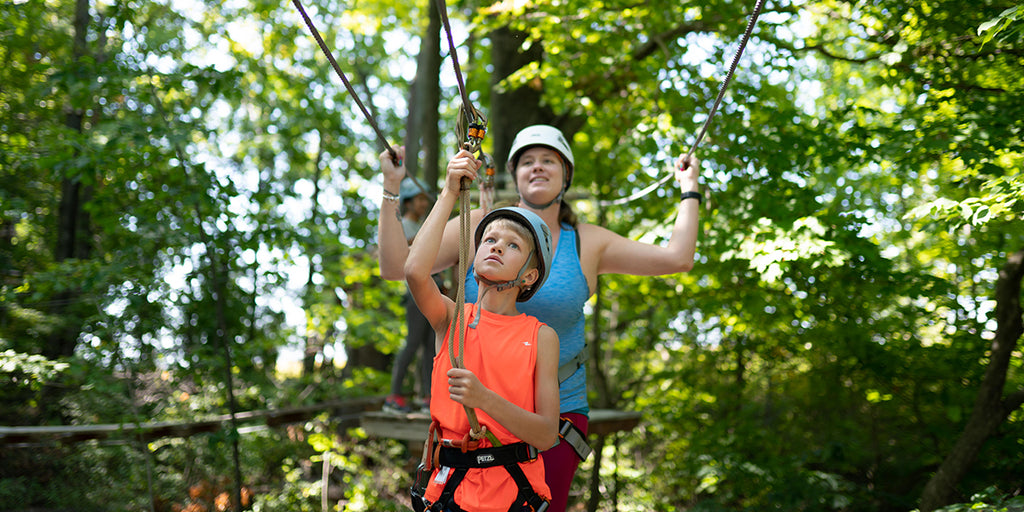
(687, 173)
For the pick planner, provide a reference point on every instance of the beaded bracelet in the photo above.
(388, 196)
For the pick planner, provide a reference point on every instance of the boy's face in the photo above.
(502, 253)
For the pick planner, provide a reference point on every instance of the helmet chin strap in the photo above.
(499, 286)
(538, 207)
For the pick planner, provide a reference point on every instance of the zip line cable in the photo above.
(711, 114)
(344, 79)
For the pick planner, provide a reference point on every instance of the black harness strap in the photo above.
(507, 456)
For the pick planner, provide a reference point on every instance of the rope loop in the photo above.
(478, 435)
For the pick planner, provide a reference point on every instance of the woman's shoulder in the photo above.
(595, 235)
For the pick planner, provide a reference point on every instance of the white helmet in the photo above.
(541, 135)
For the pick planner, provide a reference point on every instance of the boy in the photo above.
(510, 373)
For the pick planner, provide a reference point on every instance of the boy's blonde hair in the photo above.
(520, 230)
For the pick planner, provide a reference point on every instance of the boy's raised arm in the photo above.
(419, 265)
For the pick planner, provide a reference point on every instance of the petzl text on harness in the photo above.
(459, 462)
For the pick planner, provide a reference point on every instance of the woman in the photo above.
(414, 204)
(542, 166)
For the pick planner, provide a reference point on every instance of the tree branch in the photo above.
(990, 408)
(663, 39)
(1013, 401)
(822, 48)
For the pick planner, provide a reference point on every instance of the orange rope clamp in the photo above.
(477, 131)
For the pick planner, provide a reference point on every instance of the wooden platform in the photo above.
(413, 427)
(346, 412)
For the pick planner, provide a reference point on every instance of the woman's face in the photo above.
(540, 174)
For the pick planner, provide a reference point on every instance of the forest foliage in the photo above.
(189, 195)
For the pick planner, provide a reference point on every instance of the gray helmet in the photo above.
(541, 135)
(412, 187)
(541, 241)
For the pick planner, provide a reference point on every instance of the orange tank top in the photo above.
(502, 352)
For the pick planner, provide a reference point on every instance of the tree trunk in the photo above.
(73, 233)
(314, 341)
(422, 130)
(990, 407)
(595, 479)
(219, 278)
(513, 109)
(516, 108)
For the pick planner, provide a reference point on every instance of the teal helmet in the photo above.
(410, 188)
(541, 243)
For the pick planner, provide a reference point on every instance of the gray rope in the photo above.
(711, 114)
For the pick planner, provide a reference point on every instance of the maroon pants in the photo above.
(560, 465)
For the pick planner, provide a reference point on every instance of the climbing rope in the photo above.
(344, 80)
(474, 131)
(711, 114)
(471, 127)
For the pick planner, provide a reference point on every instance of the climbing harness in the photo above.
(461, 456)
(344, 80)
(711, 114)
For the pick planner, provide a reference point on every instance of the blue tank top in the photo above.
(559, 304)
